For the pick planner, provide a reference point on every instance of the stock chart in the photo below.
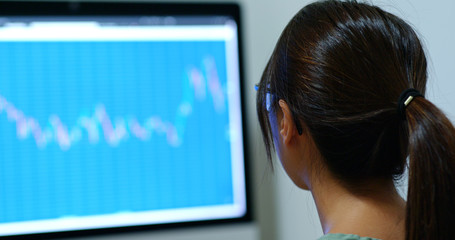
(102, 127)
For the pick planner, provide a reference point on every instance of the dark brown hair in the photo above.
(341, 67)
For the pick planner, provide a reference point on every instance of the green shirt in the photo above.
(340, 236)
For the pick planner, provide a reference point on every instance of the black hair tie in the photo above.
(405, 98)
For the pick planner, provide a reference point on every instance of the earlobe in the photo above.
(287, 126)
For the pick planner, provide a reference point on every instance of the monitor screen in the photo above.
(123, 115)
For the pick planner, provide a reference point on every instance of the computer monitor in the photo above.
(119, 116)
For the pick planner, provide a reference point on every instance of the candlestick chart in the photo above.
(195, 87)
(89, 128)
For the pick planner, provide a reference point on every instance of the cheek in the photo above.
(277, 141)
(275, 133)
(292, 165)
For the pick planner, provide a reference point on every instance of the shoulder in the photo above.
(340, 236)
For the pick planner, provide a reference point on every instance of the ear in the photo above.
(288, 130)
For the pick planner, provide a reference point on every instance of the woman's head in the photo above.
(339, 68)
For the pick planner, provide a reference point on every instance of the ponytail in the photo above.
(430, 209)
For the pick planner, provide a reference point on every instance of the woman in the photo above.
(341, 100)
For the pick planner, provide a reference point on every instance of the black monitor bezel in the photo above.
(105, 9)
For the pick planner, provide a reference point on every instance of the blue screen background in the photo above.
(131, 80)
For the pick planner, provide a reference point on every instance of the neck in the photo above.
(374, 210)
